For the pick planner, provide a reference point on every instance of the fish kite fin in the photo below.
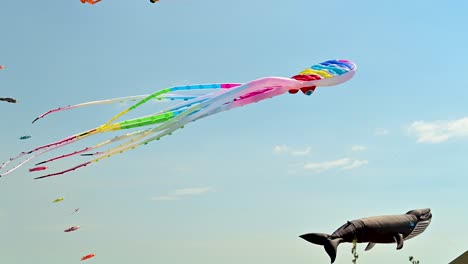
(399, 240)
(328, 243)
(369, 246)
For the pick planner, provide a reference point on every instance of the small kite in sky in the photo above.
(88, 257)
(9, 100)
(24, 137)
(58, 200)
(76, 210)
(71, 229)
(374, 230)
(90, 1)
(2, 67)
(196, 102)
(41, 168)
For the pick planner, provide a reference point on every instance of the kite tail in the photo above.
(107, 154)
(54, 145)
(53, 111)
(330, 245)
(106, 101)
(115, 139)
(63, 172)
(173, 124)
(64, 156)
(131, 144)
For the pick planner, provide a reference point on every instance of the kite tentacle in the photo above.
(172, 89)
(200, 109)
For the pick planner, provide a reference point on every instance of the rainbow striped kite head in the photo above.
(331, 72)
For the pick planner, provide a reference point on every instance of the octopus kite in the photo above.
(196, 102)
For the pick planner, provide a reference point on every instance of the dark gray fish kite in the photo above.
(374, 230)
(9, 100)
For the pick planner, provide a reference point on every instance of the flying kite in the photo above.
(9, 100)
(76, 210)
(24, 137)
(2, 67)
(90, 1)
(154, 1)
(41, 168)
(197, 102)
(88, 257)
(58, 200)
(71, 229)
(374, 230)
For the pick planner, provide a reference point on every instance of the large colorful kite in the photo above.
(197, 101)
(374, 230)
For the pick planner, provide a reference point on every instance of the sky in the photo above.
(242, 185)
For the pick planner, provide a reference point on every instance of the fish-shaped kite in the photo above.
(374, 230)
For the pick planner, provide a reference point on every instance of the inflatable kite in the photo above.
(88, 257)
(92, 2)
(374, 230)
(197, 102)
(58, 200)
(41, 168)
(154, 1)
(8, 99)
(2, 67)
(24, 137)
(71, 229)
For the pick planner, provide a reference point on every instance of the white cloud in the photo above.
(300, 152)
(439, 131)
(191, 191)
(165, 198)
(177, 194)
(280, 149)
(358, 148)
(381, 132)
(356, 164)
(344, 163)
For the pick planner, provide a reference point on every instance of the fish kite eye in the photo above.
(308, 90)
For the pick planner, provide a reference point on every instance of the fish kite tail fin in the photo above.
(330, 244)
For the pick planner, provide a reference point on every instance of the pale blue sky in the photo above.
(244, 180)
